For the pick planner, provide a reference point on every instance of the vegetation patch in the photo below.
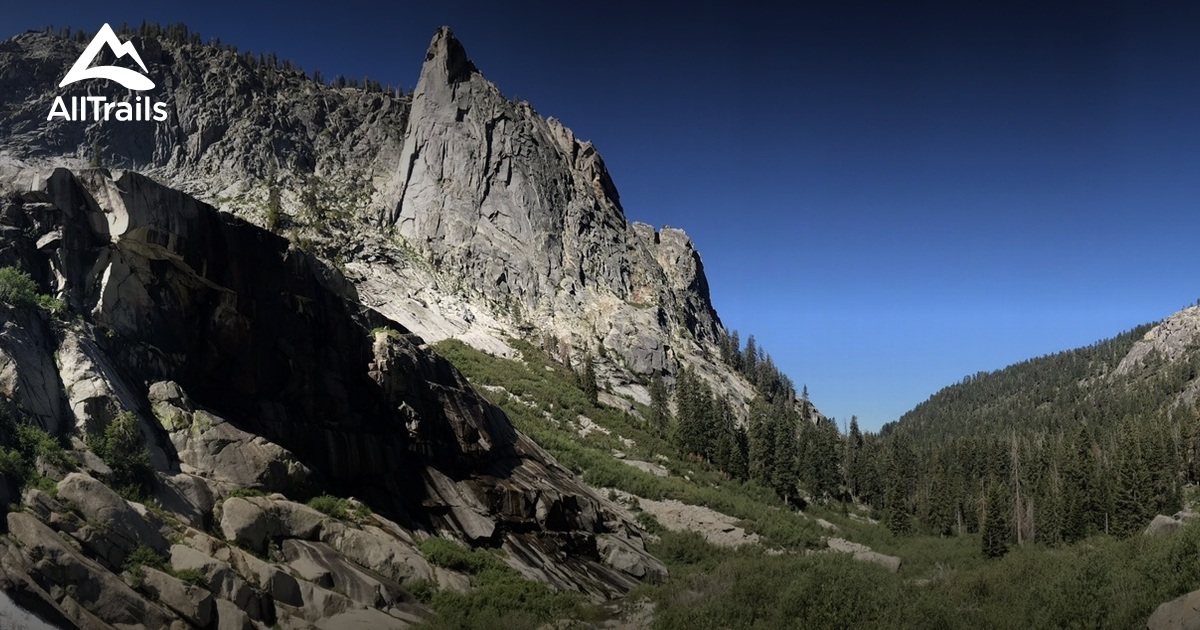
(124, 451)
(339, 508)
(499, 598)
(22, 444)
(560, 400)
(17, 289)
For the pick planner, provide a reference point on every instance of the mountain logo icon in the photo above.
(126, 77)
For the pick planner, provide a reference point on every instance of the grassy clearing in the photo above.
(558, 400)
(1100, 583)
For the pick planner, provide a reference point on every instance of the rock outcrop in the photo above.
(456, 211)
(259, 374)
(1171, 342)
(251, 366)
(1181, 613)
(528, 218)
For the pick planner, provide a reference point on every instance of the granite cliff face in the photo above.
(233, 119)
(527, 214)
(456, 211)
(256, 292)
(250, 365)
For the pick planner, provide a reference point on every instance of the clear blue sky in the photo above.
(888, 195)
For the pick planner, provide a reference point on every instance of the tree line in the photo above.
(1052, 450)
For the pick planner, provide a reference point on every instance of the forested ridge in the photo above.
(1050, 450)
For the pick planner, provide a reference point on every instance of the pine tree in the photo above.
(854, 458)
(660, 410)
(995, 521)
(896, 516)
(587, 380)
(692, 404)
(941, 503)
(1133, 497)
(899, 479)
(730, 349)
(819, 459)
(1074, 489)
(784, 474)
(760, 440)
(750, 356)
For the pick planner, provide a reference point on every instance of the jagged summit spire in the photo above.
(447, 59)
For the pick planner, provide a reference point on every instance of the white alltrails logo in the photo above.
(124, 76)
(141, 109)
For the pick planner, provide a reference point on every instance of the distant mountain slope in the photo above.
(1098, 439)
(1147, 370)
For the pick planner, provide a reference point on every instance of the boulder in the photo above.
(321, 603)
(212, 448)
(380, 551)
(193, 603)
(1163, 524)
(186, 496)
(1181, 613)
(28, 375)
(863, 553)
(621, 555)
(246, 523)
(466, 513)
(223, 581)
(254, 521)
(321, 564)
(96, 393)
(231, 617)
(90, 586)
(119, 523)
(268, 578)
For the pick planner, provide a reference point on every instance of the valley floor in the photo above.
(739, 557)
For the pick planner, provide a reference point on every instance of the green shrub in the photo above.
(274, 211)
(40, 444)
(144, 556)
(391, 333)
(555, 388)
(13, 464)
(338, 507)
(422, 590)
(500, 597)
(192, 576)
(451, 555)
(51, 305)
(504, 599)
(122, 448)
(29, 443)
(17, 288)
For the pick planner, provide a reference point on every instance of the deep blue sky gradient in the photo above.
(888, 195)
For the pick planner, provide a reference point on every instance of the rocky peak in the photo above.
(460, 212)
(446, 60)
(524, 214)
(1170, 340)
